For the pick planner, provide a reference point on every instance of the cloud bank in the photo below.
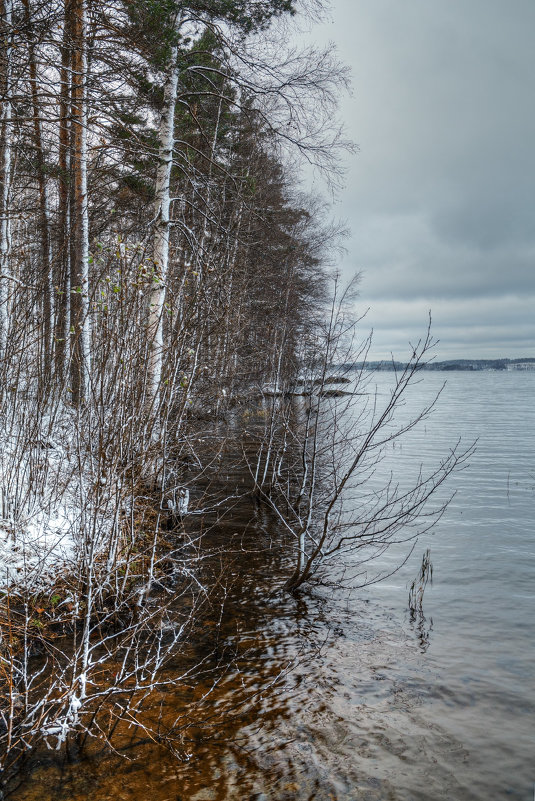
(440, 197)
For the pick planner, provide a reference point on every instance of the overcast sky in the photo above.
(440, 198)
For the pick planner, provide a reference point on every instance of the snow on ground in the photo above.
(41, 488)
(35, 550)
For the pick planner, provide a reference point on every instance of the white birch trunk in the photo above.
(161, 238)
(6, 9)
(80, 283)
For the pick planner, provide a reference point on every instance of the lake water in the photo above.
(477, 685)
(337, 697)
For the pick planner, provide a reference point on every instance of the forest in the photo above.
(168, 304)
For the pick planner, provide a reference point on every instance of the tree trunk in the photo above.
(81, 360)
(6, 133)
(63, 275)
(45, 251)
(161, 238)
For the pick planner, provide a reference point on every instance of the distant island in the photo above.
(451, 364)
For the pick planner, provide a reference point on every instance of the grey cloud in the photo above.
(488, 328)
(402, 257)
(441, 196)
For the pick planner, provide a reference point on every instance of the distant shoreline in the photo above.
(468, 365)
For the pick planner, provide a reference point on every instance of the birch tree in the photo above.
(80, 319)
(6, 156)
(162, 221)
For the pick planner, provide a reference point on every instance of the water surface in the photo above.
(342, 697)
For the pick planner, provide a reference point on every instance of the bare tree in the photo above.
(324, 489)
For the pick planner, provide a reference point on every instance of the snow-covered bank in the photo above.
(51, 497)
(35, 550)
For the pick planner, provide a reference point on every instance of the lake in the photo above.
(337, 696)
(477, 685)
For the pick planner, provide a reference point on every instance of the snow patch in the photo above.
(35, 549)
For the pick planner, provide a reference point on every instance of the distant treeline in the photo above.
(451, 364)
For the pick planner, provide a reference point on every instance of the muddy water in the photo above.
(300, 715)
(340, 697)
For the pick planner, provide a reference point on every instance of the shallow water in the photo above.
(339, 697)
(481, 650)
